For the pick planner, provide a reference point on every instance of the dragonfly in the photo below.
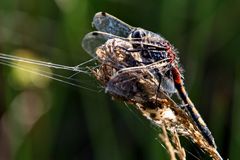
(153, 48)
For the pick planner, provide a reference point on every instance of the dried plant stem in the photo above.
(174, 148)
(138, 87)
(180, 151)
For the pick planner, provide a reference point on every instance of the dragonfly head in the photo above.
(138, 33)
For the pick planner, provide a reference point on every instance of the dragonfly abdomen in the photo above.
(190, 108)
(201, 124)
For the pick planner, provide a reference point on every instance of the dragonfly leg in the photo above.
(138, 49)
(159, 78)
(183, 106)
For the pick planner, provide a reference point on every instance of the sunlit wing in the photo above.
(110, 27)
(94, 39)
(107, 23)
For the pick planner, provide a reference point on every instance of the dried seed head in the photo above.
(139, 87)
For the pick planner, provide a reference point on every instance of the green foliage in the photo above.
(57, 121)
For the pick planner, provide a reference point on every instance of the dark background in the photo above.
(45, 119)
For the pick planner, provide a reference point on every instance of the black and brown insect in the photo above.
(155, 54)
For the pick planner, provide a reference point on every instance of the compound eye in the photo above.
(138, 34)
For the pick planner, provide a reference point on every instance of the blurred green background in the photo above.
(45, 119)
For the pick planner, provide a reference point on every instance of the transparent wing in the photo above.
(110, 27)
(107, 23)
(93, 40)
(168, 85)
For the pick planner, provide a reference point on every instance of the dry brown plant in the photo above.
(137, 86)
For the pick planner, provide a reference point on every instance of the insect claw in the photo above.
(183, 106)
